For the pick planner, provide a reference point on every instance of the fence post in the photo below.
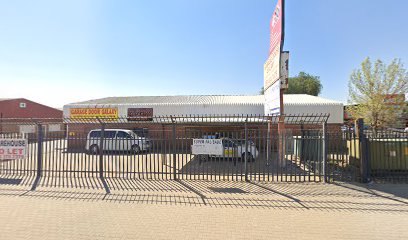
(364, 151)
(246, 150)
(101, 147)
(324, 151)
(268, 142)
(40, 139)
(174, 148)
(302, 141)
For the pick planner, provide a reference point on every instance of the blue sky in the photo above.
(57, 52)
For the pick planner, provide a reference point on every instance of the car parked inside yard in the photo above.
(235, 148)
(121, 140)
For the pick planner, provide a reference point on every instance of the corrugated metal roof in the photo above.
(289, 99)
(216, 105)
(187, 99)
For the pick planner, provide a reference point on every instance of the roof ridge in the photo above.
(193, 95)
(206, 99)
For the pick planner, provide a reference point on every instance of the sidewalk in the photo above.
(143, 209)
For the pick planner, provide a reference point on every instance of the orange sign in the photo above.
(93, 113)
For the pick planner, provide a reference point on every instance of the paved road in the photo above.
(141, 209)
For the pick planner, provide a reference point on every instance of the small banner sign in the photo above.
(111, 113)
(272, 99)
(13, 148)
(140, 114)
(207, 146)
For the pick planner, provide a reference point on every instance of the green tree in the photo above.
(304, 83)
(377, 92)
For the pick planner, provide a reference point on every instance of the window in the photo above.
(141, 132)
(23, 105)
(95, 134)
(110, 134)
(107, 134)
(228, 143)
(122, 134)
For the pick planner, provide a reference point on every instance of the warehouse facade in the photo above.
(138, 114)
(24, 108)
(20, 116)
(149, 106)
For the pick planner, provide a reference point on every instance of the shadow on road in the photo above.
(390, 198)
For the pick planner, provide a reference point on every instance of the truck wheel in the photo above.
(250, 157)
(135, 148)
(94, 149)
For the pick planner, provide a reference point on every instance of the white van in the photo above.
(116, 140)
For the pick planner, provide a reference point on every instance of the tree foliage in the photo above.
(377, 92)
(304, 83)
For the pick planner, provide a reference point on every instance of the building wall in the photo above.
(179, 109)
(11, 109)
(335, 110)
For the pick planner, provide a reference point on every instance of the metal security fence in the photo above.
(37, 146)
(365, 155)
(308, 149)
(386, 152)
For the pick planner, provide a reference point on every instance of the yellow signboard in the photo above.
(93, 113)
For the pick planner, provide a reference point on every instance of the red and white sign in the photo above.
(276, 28)
(273, 82)
(272, 65)
(13, 148)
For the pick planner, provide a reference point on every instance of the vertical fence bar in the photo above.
(324, 150)
(39, 149)
(101, 147)
(268, 142)
(363, 151)
(246, 150)
(174, 148)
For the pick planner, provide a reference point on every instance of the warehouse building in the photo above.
(138, 112)
(20, 115)
(24, 108)
(149, 106)
(137, 108)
